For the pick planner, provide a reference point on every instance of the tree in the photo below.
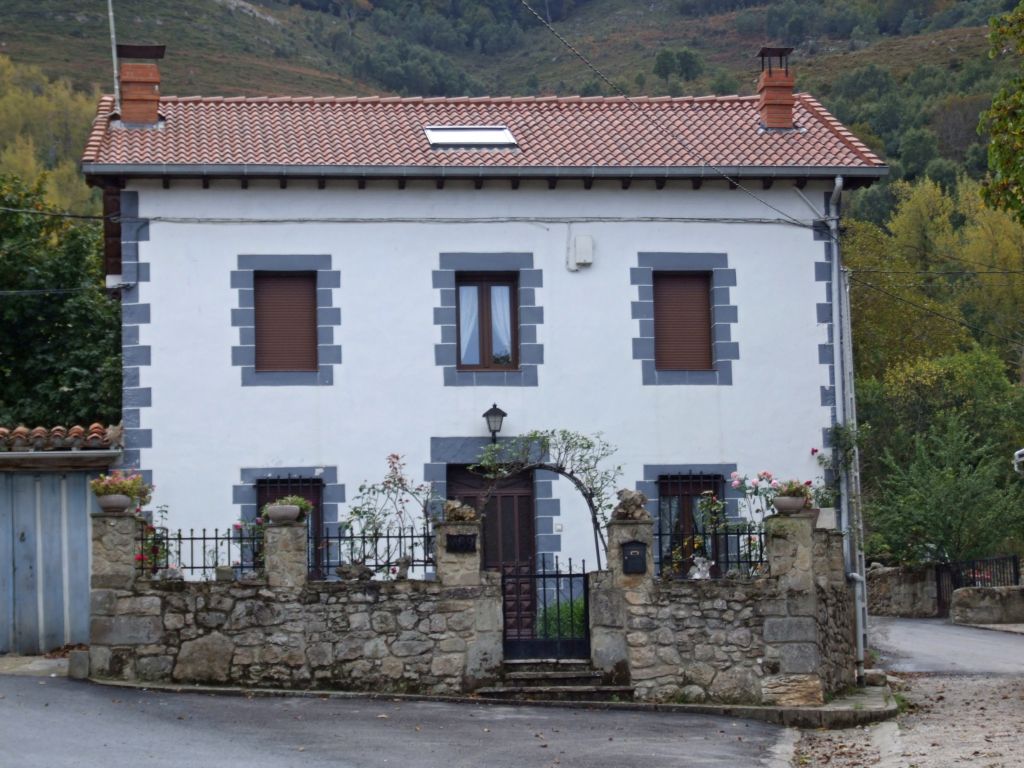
(665, 64)
(894, 319)
(1004, 121)
(946, 502)
(574, 456)
(60, 358)
(913, 395)
(689, 64)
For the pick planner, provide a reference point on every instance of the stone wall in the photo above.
(440, 636)
(988, 605)
(783, 638)
(907, 592)
(787, 638)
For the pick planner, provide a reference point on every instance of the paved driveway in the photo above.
(935, 645)
(48, 722)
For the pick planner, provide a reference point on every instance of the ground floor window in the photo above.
(681, 526)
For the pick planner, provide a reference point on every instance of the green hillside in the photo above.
(902, 74)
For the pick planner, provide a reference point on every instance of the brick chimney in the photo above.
(140, 93)
(140, 84)
(775, 87)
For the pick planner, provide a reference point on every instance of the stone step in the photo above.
(560, 693)
(546, 665)
(583, 676)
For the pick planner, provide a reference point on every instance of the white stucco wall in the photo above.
(388, 394)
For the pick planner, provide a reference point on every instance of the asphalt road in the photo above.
(60, 723)
(935, 645)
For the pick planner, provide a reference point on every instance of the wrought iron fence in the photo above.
(371, 552)
(733, 549)
(197, 554)
(982, 572)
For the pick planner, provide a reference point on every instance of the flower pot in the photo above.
(789, 505)
(282, 513)
(114, 503)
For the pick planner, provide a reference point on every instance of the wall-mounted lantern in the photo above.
(494, 417)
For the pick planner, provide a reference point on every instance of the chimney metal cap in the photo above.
(129, 51)
(767, 53)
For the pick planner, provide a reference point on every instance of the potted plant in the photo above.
(791, 496)
(118, 491)
(287, 509)
(824, 496)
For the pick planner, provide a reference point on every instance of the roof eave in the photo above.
(55, 461)
(228, 171)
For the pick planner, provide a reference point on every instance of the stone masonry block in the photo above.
(125, 630)
(799, 629)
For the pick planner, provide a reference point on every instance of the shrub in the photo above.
(563, 619)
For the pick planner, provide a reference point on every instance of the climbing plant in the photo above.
(579, 458)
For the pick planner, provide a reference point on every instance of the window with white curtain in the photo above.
(487, 325)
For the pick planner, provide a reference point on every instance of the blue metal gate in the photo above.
(44, 560)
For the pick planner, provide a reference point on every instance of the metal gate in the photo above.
(44, 560)
(984, 572)
(546, 613)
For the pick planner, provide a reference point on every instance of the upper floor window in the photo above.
(286, 320)
(682, 321)
(487, 321)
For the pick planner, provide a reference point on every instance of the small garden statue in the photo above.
(631, 506)
(456, 511)
(701, 568)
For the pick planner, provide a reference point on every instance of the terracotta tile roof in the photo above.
(562, 132)
(93, 437)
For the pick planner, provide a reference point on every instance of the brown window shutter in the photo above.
(682, 321)
(285, 321)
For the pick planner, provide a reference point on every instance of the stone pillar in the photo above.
(460, 569)
(793, 660)
(116, 539)
(285, 556)
(621, 532)
(621, 602)
(115, 542)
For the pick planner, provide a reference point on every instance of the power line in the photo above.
(930, 311)
(940, 273)
(682, 142)
(56, 214)
(48, 291)
(428, 220)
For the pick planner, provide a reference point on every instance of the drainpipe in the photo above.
(849, 478)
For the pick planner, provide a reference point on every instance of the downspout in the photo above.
(846, 416)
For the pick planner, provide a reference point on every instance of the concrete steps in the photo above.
(555, 680)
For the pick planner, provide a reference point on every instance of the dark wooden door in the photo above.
(508, 529)
(509, 542)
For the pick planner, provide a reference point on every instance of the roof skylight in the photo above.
(482, 136)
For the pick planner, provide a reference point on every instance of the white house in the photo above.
(311, 284)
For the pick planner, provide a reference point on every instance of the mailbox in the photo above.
(634, 557)
(460, 542)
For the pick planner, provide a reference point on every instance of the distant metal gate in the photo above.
(44, 560)
(985, 572)
(546, 614)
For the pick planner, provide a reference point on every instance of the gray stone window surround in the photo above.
(135, 356)
(723, 316)
(328, 317)
(243, 495)
(531, 353)
(466, 450)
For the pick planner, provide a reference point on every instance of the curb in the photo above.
(829, 716)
